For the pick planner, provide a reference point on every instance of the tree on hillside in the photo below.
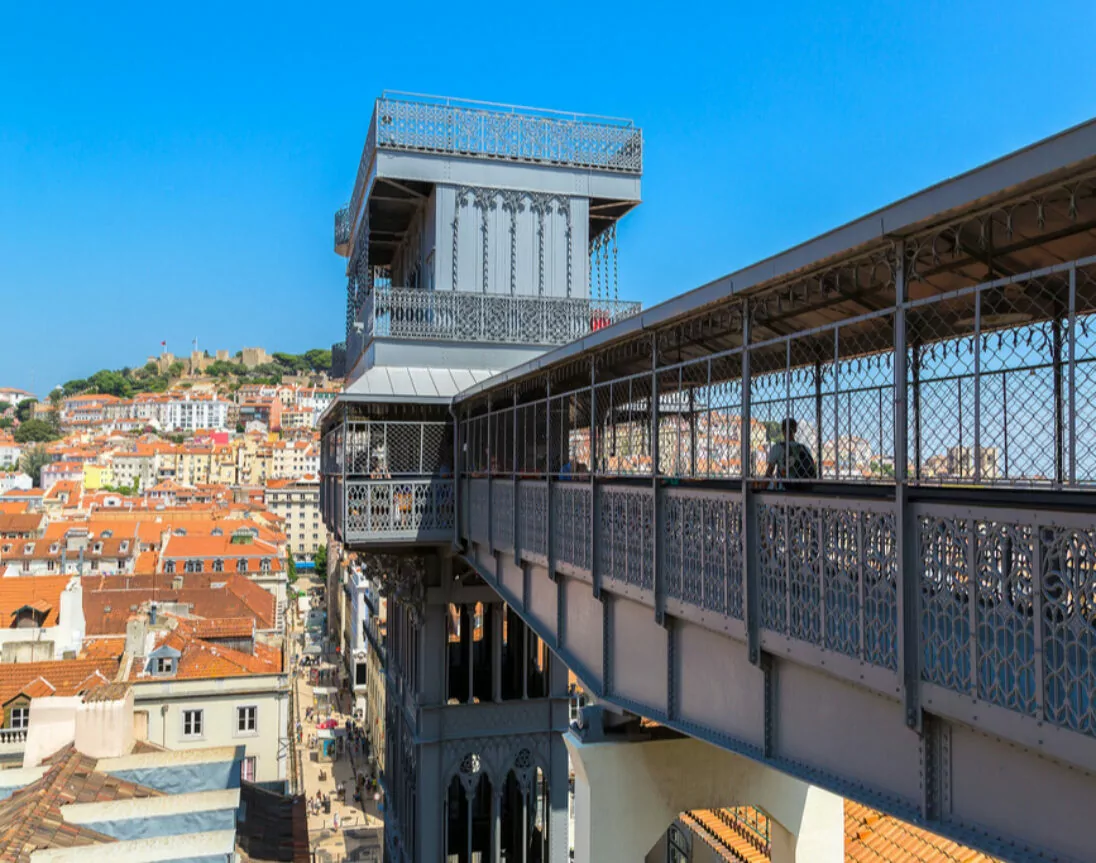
(320, 560)
(32, 461)
(290, 568)
(176, 369)
(56, 395)
(25, 409)
(6, 422)
(33, 431)
(318, 360)
(74, 387)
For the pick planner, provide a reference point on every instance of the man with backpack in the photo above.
(790, 459)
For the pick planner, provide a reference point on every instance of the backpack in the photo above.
(801, 463)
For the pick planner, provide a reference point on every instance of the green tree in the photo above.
(240, 428)
(290, 568)
(150, 368)
(318, 360)
(56, 395)
(25, 410)
(176, 369)
(32, 461)
(320, 560)
(34, 430)
(6, 422)
(74, 387)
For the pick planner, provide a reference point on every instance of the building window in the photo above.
(247, 769)
(20, 717)
(247, 719)
(169, 567)
(218, 565)
(193, 566)
(241, 565)
(264, 566)
(163, 665)
(193, 722)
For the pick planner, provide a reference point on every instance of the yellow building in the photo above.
(97, 475)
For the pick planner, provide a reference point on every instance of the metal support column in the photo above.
(750, 583)
(909, 653)
(1057, 345)
(1072, 377)
(656, 526)
(548, 471)
(490, 484)
(595, 421)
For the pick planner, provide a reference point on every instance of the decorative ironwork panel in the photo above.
(804, 573)
(377, 509)
(571, 524)
(1069, 626)
(1006, 628)
(627, 524)
(477, 507)
(533, 518)
(945, 601)
(772, 559)
(702, 550)
(880, 576)
(842, 561)
(342, 226)
(502, 513)
(406, 313)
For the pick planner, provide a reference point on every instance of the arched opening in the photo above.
(468, 808)
(523, 813)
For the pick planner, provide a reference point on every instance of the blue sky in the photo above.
(171, 171)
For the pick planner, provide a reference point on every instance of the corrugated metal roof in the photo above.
(400, 383)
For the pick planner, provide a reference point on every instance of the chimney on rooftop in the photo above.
(136, 635)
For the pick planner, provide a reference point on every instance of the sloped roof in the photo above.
(31, 818)
(64, 676)
(417, 382)
(41, 592)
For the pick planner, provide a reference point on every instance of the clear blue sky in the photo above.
(171, 171)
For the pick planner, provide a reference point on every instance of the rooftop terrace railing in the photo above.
(486, 318)
(486, 130)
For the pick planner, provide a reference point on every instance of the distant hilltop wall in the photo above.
(199, 361)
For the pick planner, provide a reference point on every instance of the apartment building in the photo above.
(293, 459)
(298, 502)
(192, 412)
(10, 451)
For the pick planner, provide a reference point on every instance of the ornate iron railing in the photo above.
(430, 124)
(400, 509)
(500, 318)
(342, 227)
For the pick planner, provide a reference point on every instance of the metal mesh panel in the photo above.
(531, 440)
(380, 508)
(624, 433)
(384, 449)
(720, 425)
(569, 444)
(502, 441)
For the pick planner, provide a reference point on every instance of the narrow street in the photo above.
(339, 828)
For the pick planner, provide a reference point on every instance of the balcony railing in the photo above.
(385, 510)
(500, 318)
(342, 229)
(430, 124)
(12, 740)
